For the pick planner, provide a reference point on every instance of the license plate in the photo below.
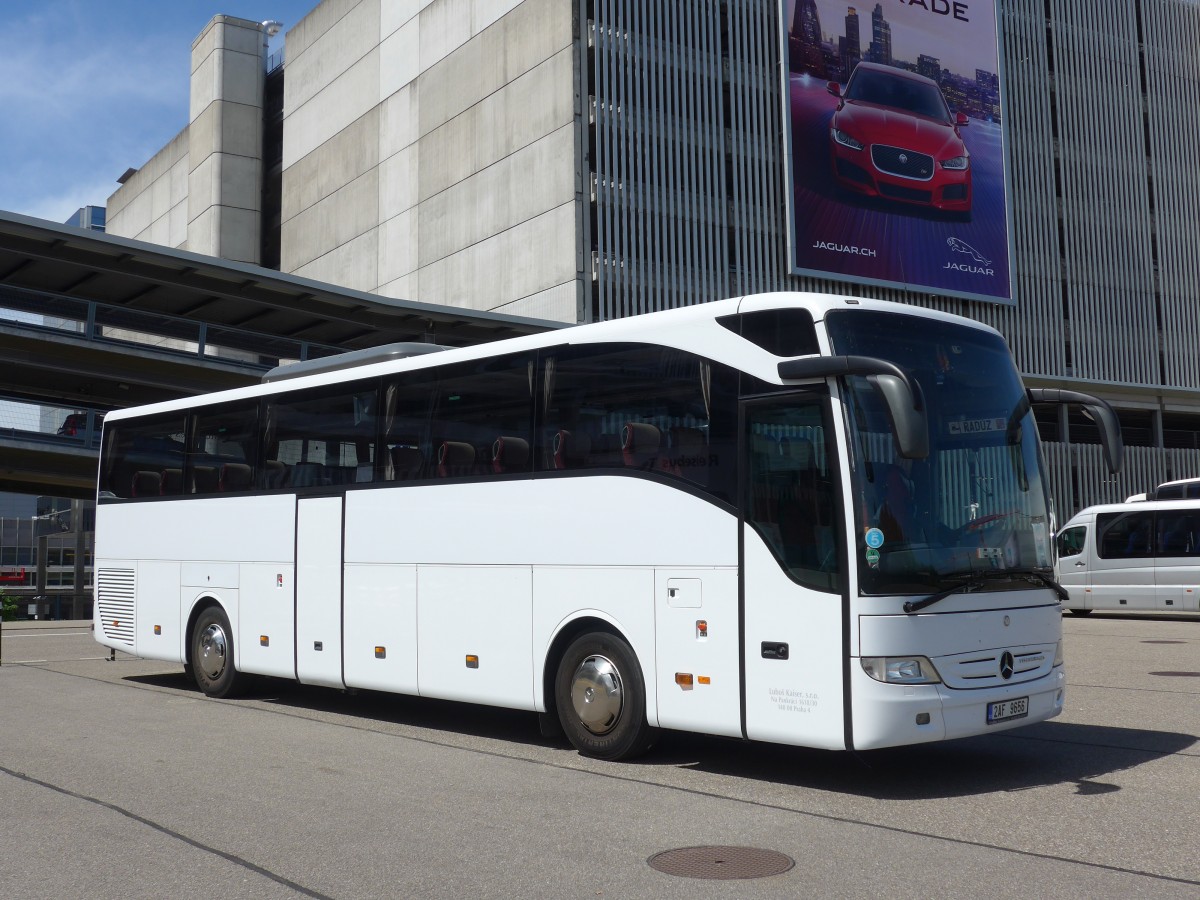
(1003, 710)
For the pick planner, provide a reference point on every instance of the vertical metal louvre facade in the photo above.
(689, 193)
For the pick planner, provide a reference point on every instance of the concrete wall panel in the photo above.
(397, 183)
(557, 304)
(445, 26)
(332, 54)
(397, 247)
(351, 265)
(227, 128)
(520, 113)
(323, 17)
(534, 31)
(397, 121)
(345, 157)
(530, 258)
(332, 109)
(399, 59)
(338, 219)
(519, 187)
(394, 13)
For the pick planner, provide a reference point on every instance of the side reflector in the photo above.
(472, 661)
(701, 628)
(264, 640)
(683, 679)
(158, 629)
(703, 679)
(381, 652)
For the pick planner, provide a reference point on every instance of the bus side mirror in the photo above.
(1099, 412)
(901, 395)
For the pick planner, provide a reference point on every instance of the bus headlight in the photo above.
(1058, 654)
(900, 669)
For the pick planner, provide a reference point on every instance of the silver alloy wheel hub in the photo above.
(597, 694)
(212, 651)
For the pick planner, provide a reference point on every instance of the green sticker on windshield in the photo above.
(872, 557)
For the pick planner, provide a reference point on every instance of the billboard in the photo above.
(895, 145)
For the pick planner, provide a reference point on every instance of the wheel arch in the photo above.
(203, 602)
(587, 621)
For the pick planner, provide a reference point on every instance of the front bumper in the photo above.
(886, 715)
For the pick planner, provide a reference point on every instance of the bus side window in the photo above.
(641, 408)
(483, 417)
(322, 437)
(790, 491)
(149, 452)
(224, 442)
(1125, 535)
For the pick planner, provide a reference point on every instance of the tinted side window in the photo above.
(223, 451)
(783, 332)
(1071, 540)
(1125, 535)
(408, 452)
(1178, 533)
(322, 437)
(791, 499)
(144, 457)
(483, 418)
(639, 407)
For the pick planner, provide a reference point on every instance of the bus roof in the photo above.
(693, 329)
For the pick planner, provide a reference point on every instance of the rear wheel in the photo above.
(212, 656)
(601, 698)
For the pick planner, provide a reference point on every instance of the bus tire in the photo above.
(601, 698)
(212, 656)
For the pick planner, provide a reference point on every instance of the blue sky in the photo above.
(89, 88)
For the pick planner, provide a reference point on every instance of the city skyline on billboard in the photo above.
(896, 146)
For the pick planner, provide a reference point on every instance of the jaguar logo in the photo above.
(1006, 665)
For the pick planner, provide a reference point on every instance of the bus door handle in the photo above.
(774, 650)
(1080, 565)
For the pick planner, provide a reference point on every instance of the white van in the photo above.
(1141, 556)
(1170, 490)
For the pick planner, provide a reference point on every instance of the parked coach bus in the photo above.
(797, 518)
(1132, 556)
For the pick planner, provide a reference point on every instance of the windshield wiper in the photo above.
(980, 579)
(966, 587)
(1043, 578)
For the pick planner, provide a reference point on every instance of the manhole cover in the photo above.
(1177, 674)
(721, 862)
(1164, 642)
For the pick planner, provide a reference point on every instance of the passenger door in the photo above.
(319, 590)
(1073, 564)
(1122, 572)
(1177, 566)
(793, 573)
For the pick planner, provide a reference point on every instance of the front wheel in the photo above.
(212, 656)
(601, 698)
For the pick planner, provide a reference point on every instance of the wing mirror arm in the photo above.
(1099, 411)
(900, 393)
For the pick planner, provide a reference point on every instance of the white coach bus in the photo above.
(796, 518)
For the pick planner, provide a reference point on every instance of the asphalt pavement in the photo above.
(119, 779)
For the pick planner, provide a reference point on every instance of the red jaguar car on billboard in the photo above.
(892, 136)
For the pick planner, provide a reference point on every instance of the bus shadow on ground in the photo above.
(1044, 754)
(1041, 755)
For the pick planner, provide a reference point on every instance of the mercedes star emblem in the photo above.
(1006, 665)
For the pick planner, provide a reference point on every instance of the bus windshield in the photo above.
(977, 505)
